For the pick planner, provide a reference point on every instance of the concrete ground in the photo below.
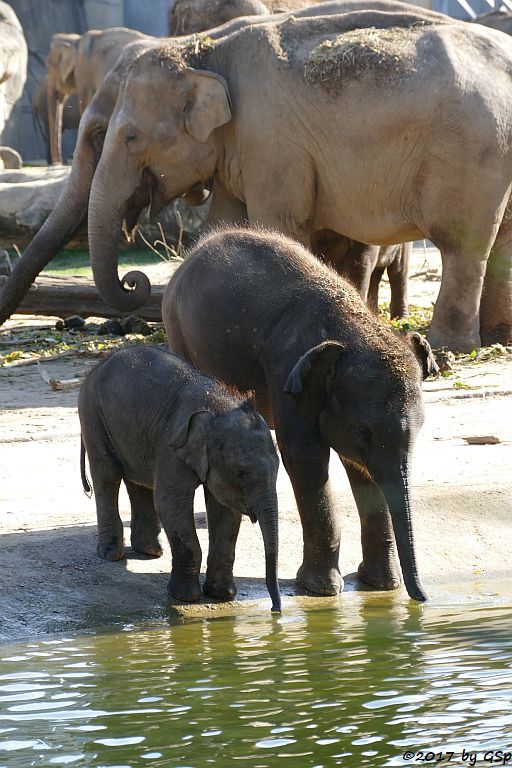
(52, 581)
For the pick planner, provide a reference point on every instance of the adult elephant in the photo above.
(363, 265)
(71, 210)
(338, 131)
(78, 64)
(188, 16)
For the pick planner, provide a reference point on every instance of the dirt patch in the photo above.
(52, 581)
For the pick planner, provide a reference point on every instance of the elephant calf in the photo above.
(150, 419)
(259, 311)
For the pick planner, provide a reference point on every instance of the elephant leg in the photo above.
(174, 504)
(357, 266)
(373, 290)
(456, 320)
(398, 274)
(496, 301)
(110, 527)
(145, 525)
(306, 460)
(379, 567)
(223, 527)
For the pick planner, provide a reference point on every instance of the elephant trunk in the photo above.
(65, 219)
(267, 519)
(54, 103)
(396, 493)
(107, 210)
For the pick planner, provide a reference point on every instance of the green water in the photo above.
(358, 685)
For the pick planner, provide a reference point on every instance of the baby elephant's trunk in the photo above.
(268, 524)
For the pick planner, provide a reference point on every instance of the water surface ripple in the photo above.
(359, 686)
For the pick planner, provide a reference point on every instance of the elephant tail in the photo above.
(86, 485)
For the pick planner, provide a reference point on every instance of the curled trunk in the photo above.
(108, 208)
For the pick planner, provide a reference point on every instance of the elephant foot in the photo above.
(438, 338)
(326, 581)
(110, 548)
(220, 587)
(380, 575)
(187, 590)
(501, 334)
(148, 545)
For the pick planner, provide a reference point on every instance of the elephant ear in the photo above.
(189, 442)
(424, 354)
(208, 106)
(67, 60)
(310, 380)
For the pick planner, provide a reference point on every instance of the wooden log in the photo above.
(65, 296)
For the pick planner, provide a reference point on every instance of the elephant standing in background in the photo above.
(149, 419)
(188, 16)
(70, 114)
(13, 71)
(257, 310)
(289, 143)
(78, 64)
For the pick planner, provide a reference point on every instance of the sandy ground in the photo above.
(51, 579)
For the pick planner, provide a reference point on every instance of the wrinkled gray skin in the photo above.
(71, 210)
(291, 145)
(258, 310)
(149, 419)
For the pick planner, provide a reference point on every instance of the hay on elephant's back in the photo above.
(387, 52)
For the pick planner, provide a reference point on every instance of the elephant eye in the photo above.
(241, 474)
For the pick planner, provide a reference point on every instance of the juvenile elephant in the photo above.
(78, 64)
(334, 130)
(258, 310)
(149, 419)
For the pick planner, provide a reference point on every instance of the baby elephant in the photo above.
(150, 419)
(259, 311)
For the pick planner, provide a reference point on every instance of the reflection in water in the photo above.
(359, 685)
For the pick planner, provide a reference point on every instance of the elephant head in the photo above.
(60, 83)
(369, 412)
(233, 455)
(161, 142)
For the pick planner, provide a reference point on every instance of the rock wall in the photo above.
(13, 73)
